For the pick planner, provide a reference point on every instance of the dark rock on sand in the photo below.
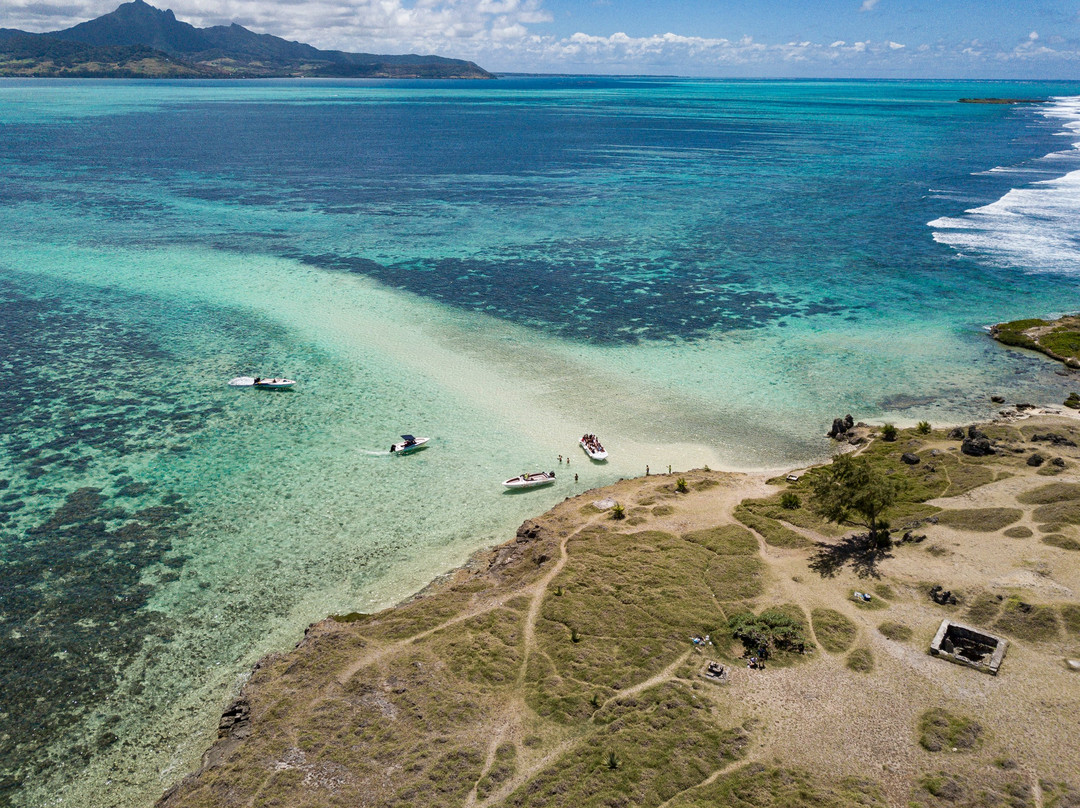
(1053, 438)
(977, 446)
(910, 458)
(1036, 460)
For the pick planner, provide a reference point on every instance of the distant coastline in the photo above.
(140, 41)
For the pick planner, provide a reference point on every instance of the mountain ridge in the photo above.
(140, 40)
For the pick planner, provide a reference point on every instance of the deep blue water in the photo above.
(707, 263)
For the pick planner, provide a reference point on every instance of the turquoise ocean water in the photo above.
(700, 272)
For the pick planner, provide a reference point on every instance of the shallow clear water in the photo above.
(699, 272)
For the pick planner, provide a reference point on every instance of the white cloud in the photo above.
(868, 5)
(360, 25)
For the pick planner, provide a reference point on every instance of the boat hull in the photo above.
(402, 449)
(518, 483)
(598, 456)
(268, 384)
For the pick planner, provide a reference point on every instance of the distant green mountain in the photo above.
(138, 40)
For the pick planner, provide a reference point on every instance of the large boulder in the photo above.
(840, 427)
(977, 446)
(910, 458)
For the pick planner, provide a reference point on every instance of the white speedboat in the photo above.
(593, 448)
(260, 382)
(531, 480)
(408, 444)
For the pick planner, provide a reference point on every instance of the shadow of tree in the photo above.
(859, 551)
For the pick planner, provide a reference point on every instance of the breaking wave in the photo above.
(1036, 227)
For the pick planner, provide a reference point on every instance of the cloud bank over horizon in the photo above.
(871, 38)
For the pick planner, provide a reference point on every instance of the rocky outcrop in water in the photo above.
(841, 426)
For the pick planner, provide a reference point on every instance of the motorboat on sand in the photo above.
(531, 480)
(593, 448)
(408, 444)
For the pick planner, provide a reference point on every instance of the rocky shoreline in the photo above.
(1059, 339)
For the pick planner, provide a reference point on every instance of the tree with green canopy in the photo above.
(851, 491)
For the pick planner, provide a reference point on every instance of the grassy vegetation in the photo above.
(1067, 512)
(759, 786)
(861, 660)
(1070, 618)
(643, 731)
(941, 730)
(981, 520)
(1019, 532)
(833, 630)
(634, 599)
(1032, 622)
(772, 531)
(987, 789)
(897, 632)
(502, 769)
(725, 540)
(1061, 541)
(1062, 341)
(1046, 494)
(984, 608)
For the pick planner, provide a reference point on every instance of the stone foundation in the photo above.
(968, 646)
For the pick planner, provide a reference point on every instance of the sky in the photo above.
(724, 38)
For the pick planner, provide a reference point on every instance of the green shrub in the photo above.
(1015, 338)
(789, 500)
(1023, 325)
(1063, 342)
(618, 511)
(888, 432)
(923, 427)
(833, 630)
(680, 485)
(773, 629)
